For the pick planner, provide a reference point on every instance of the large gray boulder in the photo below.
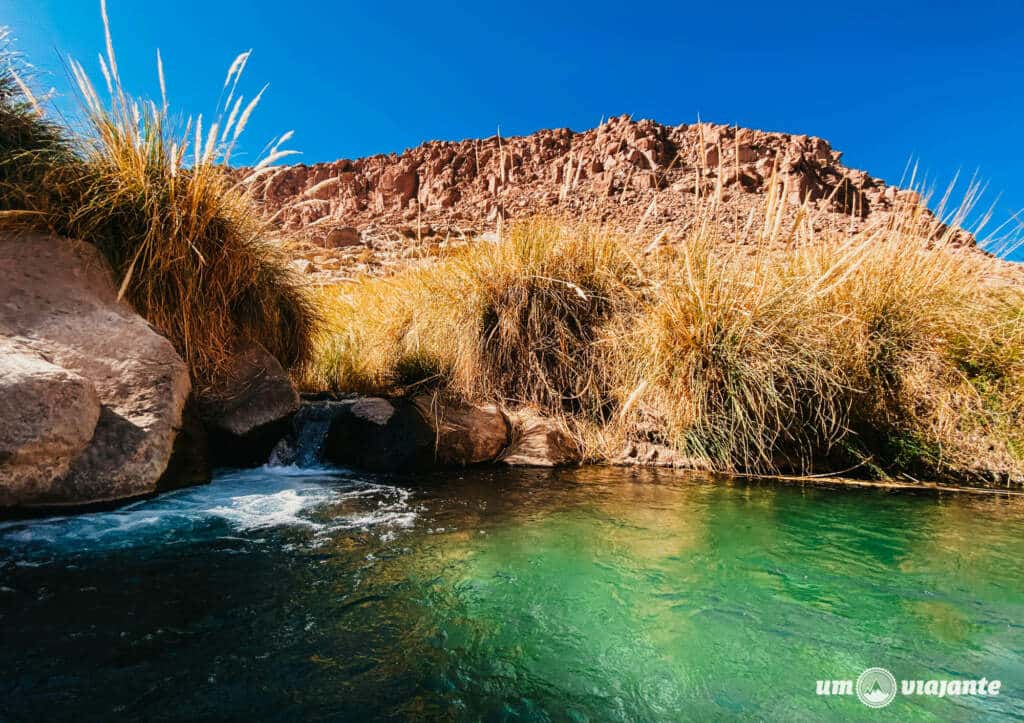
(92, 395)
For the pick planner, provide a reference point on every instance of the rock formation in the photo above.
(378, 434)
(403, 434)
(90, 396)
(247, 409)
(465, 433)
(538, 441)
(366, 213)
(424, 432)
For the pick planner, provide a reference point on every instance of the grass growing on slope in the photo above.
(893, 349)
(520, 321)
(184, 239)
(848, 350)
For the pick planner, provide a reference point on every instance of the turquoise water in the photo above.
(578, 595)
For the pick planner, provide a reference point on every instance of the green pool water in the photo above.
(578, 595)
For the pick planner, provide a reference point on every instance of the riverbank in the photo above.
(168, 331)
(892, 351)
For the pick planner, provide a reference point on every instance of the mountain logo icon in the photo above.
(876, 687)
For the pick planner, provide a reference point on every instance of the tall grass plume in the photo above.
(183, 235)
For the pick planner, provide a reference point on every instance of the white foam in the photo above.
(393, 518)
(260, 499)
(254, 512)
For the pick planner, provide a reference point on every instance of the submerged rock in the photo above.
(92, 395)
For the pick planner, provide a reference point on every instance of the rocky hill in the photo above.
(637, 175)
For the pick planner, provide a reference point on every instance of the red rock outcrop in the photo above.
(633, 174)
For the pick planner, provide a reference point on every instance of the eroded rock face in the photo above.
(70, 341)
(637, 175)
(465, 433)
(539, 441)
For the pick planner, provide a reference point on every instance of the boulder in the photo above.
(402, 434)
(383, 435)
(190, 457)
(539, 441)
(249, 412)
(92, 395)
(465, 433)
(344, 236)
(47, 417)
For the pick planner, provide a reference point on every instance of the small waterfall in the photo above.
(303, 445)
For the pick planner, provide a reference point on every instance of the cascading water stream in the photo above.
(303, 445)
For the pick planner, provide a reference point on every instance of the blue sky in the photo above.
(941, 82)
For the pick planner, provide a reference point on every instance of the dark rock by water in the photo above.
(424, 432)
(249, 411)
(190, 458)
(379, 434)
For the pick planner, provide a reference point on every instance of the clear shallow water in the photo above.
(593, 594)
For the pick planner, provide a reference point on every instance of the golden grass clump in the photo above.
(877, 349)
(538, 306)
(722, 365)
(520, 321)
(894, 350)
(183, 236)
(29, 143)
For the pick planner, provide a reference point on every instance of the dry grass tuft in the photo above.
(29, 144)
(184, 238)
(518, 321)
(850, 350)
(895, 350)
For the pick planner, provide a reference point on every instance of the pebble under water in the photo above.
(593, 594)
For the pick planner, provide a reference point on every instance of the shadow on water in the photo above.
(583, 594)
